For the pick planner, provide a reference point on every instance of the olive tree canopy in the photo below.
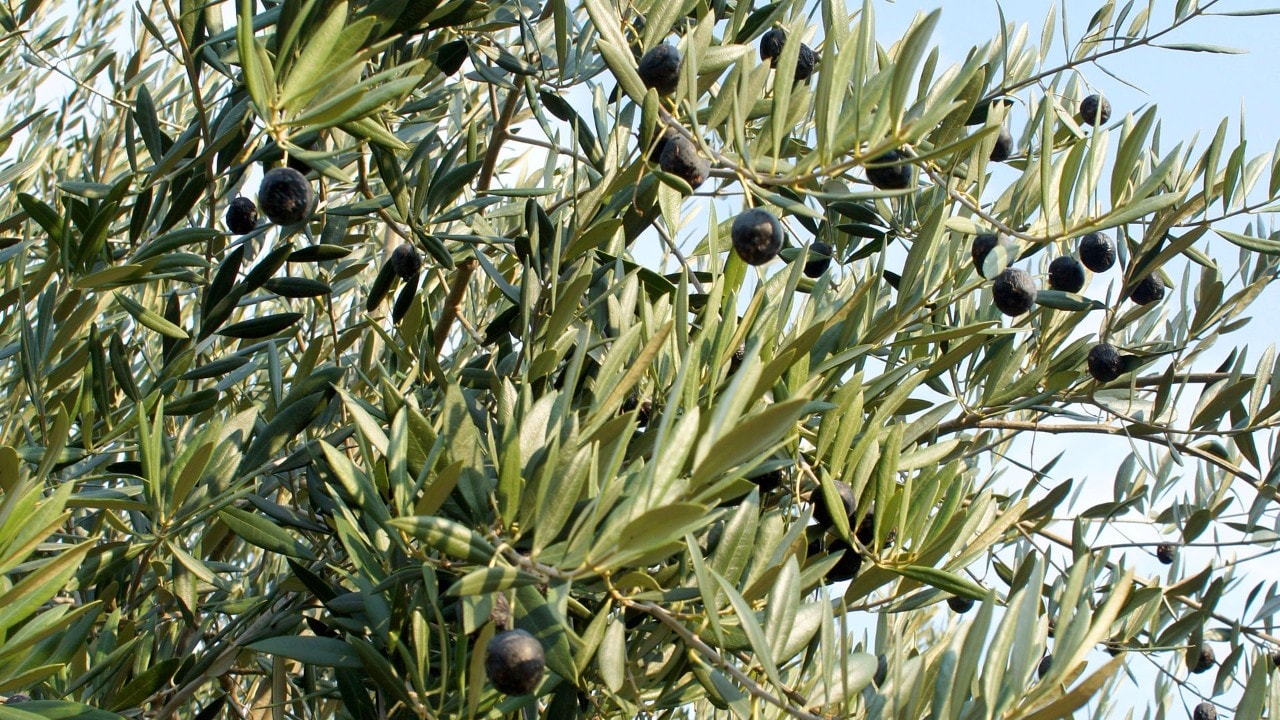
(452, 358)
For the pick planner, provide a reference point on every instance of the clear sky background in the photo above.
(1194, 90)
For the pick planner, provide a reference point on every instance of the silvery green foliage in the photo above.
(267, 473)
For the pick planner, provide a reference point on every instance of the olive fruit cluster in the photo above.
(1003, 148)
(681, 158)
(982, 246)
(757, 236)
(515, 662)
(1066, 274)
(1013, 290)
(404, 263)
(771, 44)
(847, 567)
(242, 215)
(890, 171)
(676, 154)
(1096, 251)
(659, 68)
(1150, 289)
(1105, 363)
(819, 260)
(1202, 661)
(1205, 711)
(1095, 110)
(285, 196)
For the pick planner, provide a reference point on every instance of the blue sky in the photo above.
(1194, 90)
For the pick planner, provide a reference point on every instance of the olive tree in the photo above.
(449, 358)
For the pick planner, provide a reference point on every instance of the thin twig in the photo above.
(362, 184)
(453, 303)
(561, 149)
(225, 660)
(496, 139)
(973, 206)
(54, 65)
(465, 269)
(710, 653)
(1194, 605)
(976, 422)
(1189, 378)
(1071, 64)
(684, 263)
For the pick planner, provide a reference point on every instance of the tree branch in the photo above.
(453, 303)
(1194, 605)
(976, 422)
(710, 653)
(1071, 64)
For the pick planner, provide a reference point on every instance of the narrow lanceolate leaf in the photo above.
(145, 684)
(261, 327)
(114, 276)
(489, 580)
(224, 281)
(298, 287)
(943, 580)
(265, 268)
(1201, 47)
(319, 253)
(755, 634)
(624, 70)
(192, 404)
(404, 301)
(53, 708)
(1059, 300)
(381, 286)
(266, 534)
(150, 318)
(46, 217)
(1255, 694)
(258, 77)
(216, 368)
(1075, 698)
(315, 58)
(379, 668)
(288, 422)
(749, 438)
(447, 536)
(357, 102)
(34, 590)
(612, 657)
(613, 47)
(1268, 246)
(321, 651)
(652, 531)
